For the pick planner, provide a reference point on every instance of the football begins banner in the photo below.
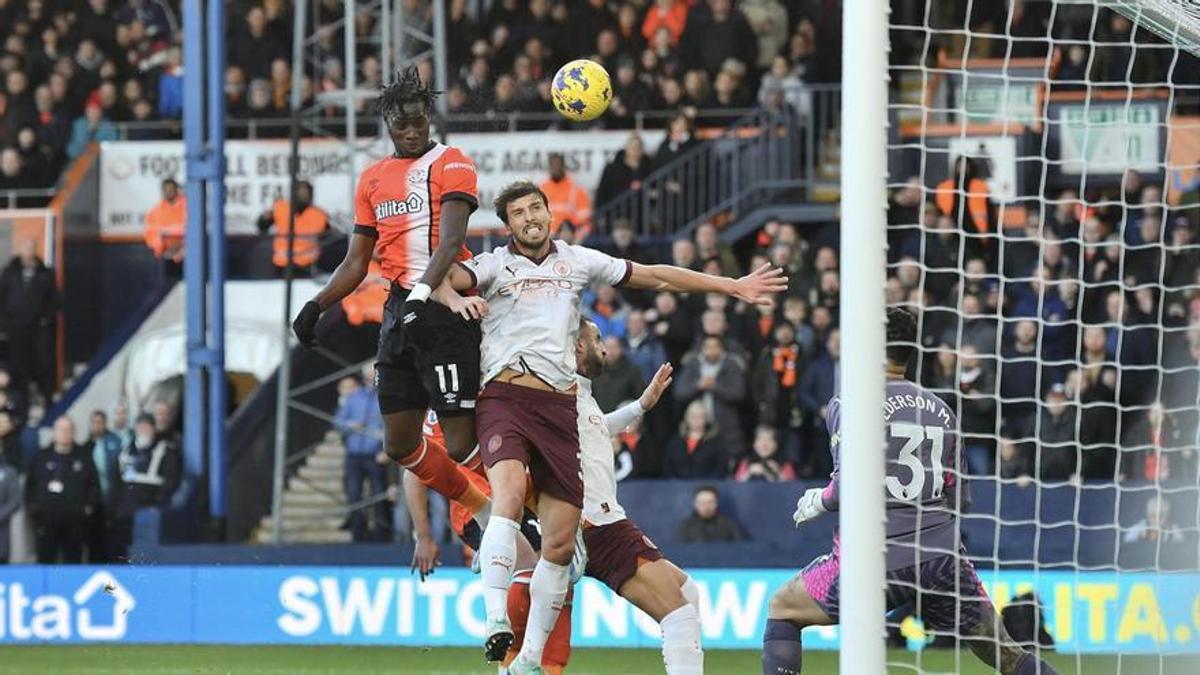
(1086, 612)
(131, 172)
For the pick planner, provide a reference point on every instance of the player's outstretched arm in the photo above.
(345, 279)
(754, 288)
(622, 417)
(416, 497)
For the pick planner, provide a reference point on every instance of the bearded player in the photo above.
(527, 414)
(619, 554)
(925, 561)
(412, 208)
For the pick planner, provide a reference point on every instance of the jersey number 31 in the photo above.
(916, 436)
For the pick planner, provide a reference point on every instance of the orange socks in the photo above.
(433, 466)
(558, 645)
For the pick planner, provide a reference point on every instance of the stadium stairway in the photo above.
(314, 504)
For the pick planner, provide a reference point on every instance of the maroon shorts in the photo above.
(538, 428)
(615, 551)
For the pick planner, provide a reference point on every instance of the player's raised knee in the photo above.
(558, 547)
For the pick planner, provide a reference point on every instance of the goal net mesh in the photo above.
(1044, 225)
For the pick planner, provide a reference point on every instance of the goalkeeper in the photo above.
(925, 564)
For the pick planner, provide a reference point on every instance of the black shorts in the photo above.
(444, 377)
(472, 536)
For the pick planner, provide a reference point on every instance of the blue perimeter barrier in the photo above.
(1087, 612)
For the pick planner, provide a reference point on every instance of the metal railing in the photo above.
(319, 124)
(26, 198)
(762, 155)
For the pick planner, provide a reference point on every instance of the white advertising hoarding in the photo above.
(257, 172)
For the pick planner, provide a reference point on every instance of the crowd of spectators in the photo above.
(70, 71)
(1068, 341)
(78, 490)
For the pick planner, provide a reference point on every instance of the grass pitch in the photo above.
(213, 660)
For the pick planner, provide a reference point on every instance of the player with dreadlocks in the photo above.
(411, 208)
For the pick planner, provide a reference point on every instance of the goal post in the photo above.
(1176, 21)
(862, 310)
(1043, 225)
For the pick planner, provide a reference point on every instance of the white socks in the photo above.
(691, 593)
(547, 592)
(498, 556)
(681, 641)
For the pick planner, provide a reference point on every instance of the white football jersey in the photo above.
(535, 307)
(596, 431)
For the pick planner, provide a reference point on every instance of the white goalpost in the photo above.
(1024, 176)
(863, 245)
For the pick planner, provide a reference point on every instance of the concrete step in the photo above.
(319, 537)
(312, 498)
(327, 461)
(304, 523)
(263, 536)
(316, 481)
(321, 473)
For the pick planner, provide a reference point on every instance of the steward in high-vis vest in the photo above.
(311, 223)
(165, 222)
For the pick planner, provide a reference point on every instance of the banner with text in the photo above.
(131, 172)
(256, 174)
(1086, 612)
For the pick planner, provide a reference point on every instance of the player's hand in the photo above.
(757, 287)
(658, 384)
(425, 556)
(809, 506)
(471, 308)
(305, 325)
(413, 318)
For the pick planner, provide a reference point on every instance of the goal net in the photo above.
(1044, 225)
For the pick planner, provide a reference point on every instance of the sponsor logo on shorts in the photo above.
(494, 444)
(450, 397)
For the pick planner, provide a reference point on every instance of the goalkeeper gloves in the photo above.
(305, 325)
(809, 506)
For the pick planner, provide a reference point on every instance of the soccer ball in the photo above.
(581, 90)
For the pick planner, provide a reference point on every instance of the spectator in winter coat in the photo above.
(717, 379)
(977, 394)
(621, 380)
(10, 502)
(10, 442)
(696, 452)
(643, 347)
(817, 386)
(92, 127)
(61, 493)
(763, 463)
(151, 467)
(706, 524)
(625, 172)
(28, 300)
(361, 427)
(105, 447)
(1058, 454)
